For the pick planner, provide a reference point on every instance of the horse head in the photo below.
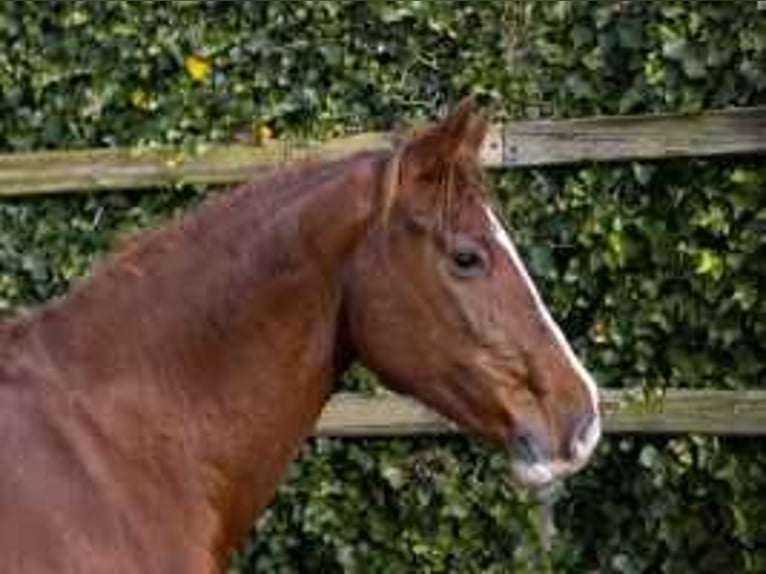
(440, 306)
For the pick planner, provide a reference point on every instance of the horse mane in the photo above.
(260, 198)
(288, 181)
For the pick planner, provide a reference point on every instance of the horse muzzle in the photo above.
(536, 462)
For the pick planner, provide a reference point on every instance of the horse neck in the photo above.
(219, 335)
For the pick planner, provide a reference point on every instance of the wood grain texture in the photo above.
(678, 412)
(520, 144)
(619, 138)
(133, 169)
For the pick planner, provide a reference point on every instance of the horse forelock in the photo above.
(391, 182)
(456, 179)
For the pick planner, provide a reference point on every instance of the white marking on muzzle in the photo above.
(583, 448)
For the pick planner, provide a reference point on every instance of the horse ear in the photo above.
(429, 150)
(458, 136)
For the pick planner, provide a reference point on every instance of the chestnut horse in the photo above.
(148, 417)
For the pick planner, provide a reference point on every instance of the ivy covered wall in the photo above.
(655, 269)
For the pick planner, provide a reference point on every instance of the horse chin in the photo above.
(541, 474)
(533, 476)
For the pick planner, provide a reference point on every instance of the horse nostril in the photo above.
(527, 448)
(583, 436)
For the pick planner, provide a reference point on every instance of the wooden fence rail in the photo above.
(518, 144)
(677, 412)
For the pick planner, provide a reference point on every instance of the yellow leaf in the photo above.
(139, 99)
(198, 67)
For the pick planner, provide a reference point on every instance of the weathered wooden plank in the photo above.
(678, 412)
(533, 143)
(726, 132)
(120, 168)
(689, 411)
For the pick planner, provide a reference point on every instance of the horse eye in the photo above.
(468, 262)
